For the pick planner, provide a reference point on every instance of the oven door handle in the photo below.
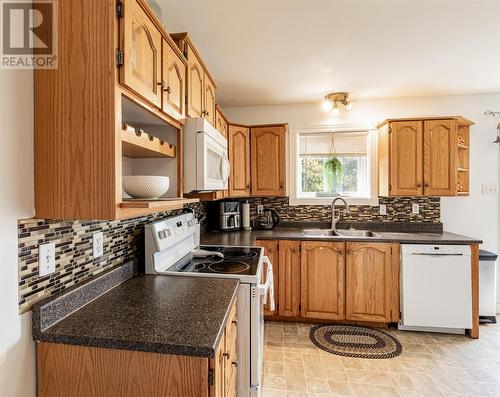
(267, 289)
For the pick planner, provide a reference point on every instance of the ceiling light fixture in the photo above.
(333, 101)
(495, 114)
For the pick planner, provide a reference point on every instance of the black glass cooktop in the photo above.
(234, 260)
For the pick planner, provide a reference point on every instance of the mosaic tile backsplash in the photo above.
(123, 242)
(399, 209)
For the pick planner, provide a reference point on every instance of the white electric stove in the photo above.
(172, 248)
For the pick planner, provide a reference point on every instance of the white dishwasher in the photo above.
(436, 290)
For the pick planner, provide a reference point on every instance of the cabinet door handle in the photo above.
(426, 185)
(168, 90)
(419, 185)
(235, 363)
(226, 355)
(235, 322)
(162, 83)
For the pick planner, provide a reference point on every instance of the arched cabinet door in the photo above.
(322, 280)
(406, 158)
(440, 157)
(239, 157)
(267, 147)
(195, 106)
(141, 71)
(369, 282)
(209, 97)
(174, 77)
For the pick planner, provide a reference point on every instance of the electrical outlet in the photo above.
(260, 209)
(98, 244)
(489, 190)
(383, 209)
(46, 259)
(415, 208)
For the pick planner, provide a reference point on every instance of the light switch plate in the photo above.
(260, 209)
(415, 208)
(98, 244)
(383, 209)
(46, 259)
(489, 190)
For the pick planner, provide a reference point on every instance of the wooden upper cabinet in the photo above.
(174, 80)
(406, 158)
(268, 160)
(141, 71)
(322, 280)
(195, 84)
(271, 251)
(209, 100)
(440, 157)
(221, 122)
(424, 156)
(368, 282)
(239, 158)
(289, 278)
(200, 85)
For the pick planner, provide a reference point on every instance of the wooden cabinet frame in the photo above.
(425, 156)
(78, 117)
(200, 96)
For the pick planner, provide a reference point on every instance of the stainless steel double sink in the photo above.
(340, 233)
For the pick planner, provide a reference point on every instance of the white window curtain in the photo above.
(351, 144)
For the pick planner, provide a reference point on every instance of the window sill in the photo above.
(373, 201)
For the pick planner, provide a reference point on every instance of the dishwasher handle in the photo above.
(430, 254)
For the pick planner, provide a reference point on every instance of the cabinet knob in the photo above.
(294, 251)
(235, 322)
(226, 355)
(426, 185)
(349, 252)
(235, 363)
(168, 90)
(162, 83)
(419, 185)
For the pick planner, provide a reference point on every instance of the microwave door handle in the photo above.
(226, 169)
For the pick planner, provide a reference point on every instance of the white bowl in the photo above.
(145, 186)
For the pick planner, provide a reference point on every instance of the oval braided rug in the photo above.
(354, 341)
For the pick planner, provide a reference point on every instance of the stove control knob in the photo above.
(162, 234)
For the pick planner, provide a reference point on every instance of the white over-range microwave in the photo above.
(206, 164)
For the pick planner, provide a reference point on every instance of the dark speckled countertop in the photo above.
(161, 314)
(249, 237)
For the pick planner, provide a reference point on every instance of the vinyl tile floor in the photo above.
(430, 365)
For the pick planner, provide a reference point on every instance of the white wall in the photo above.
(17, 357)
(477, 215)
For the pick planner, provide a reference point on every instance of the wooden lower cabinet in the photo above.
(326, 280)
(271, 250)
(289, 278)
(322, 280)
(71, 370)
(369, 282)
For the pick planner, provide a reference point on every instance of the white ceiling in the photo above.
(292, 51)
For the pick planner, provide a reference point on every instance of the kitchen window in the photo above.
(329, 162)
